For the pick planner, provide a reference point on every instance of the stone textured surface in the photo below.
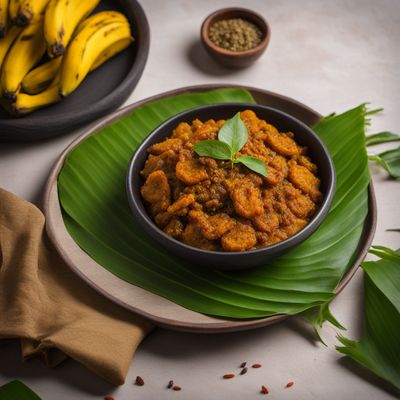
(329, 55)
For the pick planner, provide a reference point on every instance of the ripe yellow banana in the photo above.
(7, 42)
(61, 19)
(41, 77)
(26, 103)
(98, 19)
(114, 49)
(25, 53)
(13, 8)
(28, 10)
(84, 50)
(3, 17)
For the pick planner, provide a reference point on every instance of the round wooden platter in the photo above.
(156, 308)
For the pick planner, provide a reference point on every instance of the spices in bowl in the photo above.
(235, 34)
(235, 37)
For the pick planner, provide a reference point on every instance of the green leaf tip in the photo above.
(16, 390)
(381, 137)
(253, 163)
(214, 149)
(318, 315)
(234, 133)
(389, 160)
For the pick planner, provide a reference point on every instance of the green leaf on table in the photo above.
(91, 187)
(379, 348)
(318, 315)
(373, 111)
(381, 137)
(253, 163)
(213, 148)
(390, 161)
(16, 390)
(234, 134)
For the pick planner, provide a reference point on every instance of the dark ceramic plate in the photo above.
(304, 135)
(100, 93)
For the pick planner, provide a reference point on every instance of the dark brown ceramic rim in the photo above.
(293, 107)
(236, 12)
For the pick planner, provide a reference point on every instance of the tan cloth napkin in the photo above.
(54, 312)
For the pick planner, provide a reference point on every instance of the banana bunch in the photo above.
(94, 41)
(48, 47)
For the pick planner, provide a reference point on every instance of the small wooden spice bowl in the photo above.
(235, 59)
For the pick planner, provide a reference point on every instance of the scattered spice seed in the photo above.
(243, 371)
(170, 384)
(256, 366)
(243, 364)
(229, 376)
(289, 384)
(177, 388)
(264, 390)
(139, 381)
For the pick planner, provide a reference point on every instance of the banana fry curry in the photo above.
(216, 205)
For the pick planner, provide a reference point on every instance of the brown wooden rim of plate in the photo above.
(207, 324)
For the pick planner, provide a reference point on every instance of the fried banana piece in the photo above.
(156, 191)
(169, 144)
(240, 238)
(303, 179)
(247, 200)
(193, 236)
(211, 227)
(281, 142)
(191, 171)
(182, 203)
(266, 222)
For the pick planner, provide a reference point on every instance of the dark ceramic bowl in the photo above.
(235, 59)
(101, 92)
(232, 260)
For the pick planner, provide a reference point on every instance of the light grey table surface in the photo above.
(330, 55)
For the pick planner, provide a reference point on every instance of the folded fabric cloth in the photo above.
(54, 312)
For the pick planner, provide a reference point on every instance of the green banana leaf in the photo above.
(379, 348)
(390, 161)
(16, 390)
(96, 213)
(382, 137)
(317, 316)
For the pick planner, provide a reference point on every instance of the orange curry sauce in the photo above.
(212, 205)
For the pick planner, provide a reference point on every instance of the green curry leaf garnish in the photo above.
(234, 133)
(231, 138)
(253, 163)
(214, 149)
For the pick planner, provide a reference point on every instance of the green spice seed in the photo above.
(235, 34)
